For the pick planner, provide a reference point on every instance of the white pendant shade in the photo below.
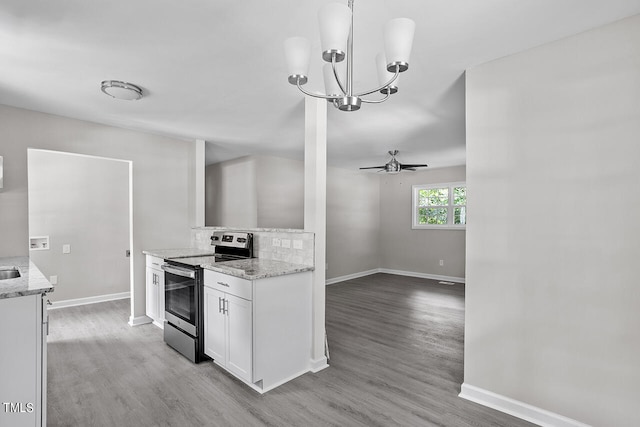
(383, 74)
(335, 22)
(330, 84)
(297, 51)
(398, 39)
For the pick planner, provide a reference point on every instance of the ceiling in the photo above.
(214, 69)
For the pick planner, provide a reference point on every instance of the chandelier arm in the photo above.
(315, 95)
(393, 79)
(335, 74)
(376, 101)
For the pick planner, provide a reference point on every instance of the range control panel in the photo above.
(231, 239)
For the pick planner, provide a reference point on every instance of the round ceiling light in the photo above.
(121, 90)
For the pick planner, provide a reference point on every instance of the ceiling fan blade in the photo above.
(404, 166)
(408, 169)
(374, 167)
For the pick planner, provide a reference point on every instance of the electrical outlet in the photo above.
(66, 249)
(53, 280)
(441, 263)
(286, 243)
(275, 242)
(297, 244)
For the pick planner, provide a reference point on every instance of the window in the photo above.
(440, 205)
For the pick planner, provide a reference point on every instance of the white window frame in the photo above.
(450, 206)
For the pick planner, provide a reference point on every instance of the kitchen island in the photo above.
(257, 320)
(23, 334)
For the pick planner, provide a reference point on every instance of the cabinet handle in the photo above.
(219, 305)
(223, 284)
(226, 306)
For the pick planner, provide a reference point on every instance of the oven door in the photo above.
(180, 297)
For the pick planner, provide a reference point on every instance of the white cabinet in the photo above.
(23, 378)
(259, 330)
(228, 331)
(155, 290)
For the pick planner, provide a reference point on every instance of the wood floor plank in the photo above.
(396, 360)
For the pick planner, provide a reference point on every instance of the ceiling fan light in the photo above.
(121, 90)
(297, 51)
(398, 40)
(384, 75)
(334, 20)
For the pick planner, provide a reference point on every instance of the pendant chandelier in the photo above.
(336, 37)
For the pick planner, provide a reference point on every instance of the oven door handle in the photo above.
(183, 272)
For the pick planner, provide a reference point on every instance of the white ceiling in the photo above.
(214, 69)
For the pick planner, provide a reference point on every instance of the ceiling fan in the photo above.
(394, 166)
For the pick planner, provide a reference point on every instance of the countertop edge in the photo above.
(242, 275)
(30, 282)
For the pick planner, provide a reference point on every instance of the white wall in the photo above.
(82, 201)
(160, 171)
(552, 301)
(419, 251)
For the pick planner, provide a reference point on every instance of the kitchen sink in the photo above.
(9, 273)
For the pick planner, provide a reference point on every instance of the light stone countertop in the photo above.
(256, 268)
(179, 252)
(30, 282)
(251, 269)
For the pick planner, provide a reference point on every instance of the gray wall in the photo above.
(363, 210)
(231, 193)
(255, 191)
(280, 192)
(353, 222)
(420, 251)
(552, 301)
(162, 167)
(81, 201)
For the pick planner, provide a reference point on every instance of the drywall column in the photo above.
(199, 168)
(315, 214)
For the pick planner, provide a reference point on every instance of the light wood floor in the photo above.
(396, 348)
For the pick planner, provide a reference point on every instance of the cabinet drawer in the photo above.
(154, 262)
(228, 284)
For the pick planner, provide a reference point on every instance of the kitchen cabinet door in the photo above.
(215, 326)
(24, 366)
(155, 294)
(240, 330)
(160, 298)
(152, 293)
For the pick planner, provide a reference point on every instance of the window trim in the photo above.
(450, 206)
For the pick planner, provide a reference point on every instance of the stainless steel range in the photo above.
(184, 317)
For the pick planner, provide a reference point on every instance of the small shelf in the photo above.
(39, 243)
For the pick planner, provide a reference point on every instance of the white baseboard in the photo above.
(318, 365)
(397, 272)
(140, 320)
(422, 275)
(516, 408)
(89, 300)
(351, 276)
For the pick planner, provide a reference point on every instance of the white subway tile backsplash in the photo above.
(298, 245)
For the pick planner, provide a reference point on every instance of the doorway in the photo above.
(81, 206)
